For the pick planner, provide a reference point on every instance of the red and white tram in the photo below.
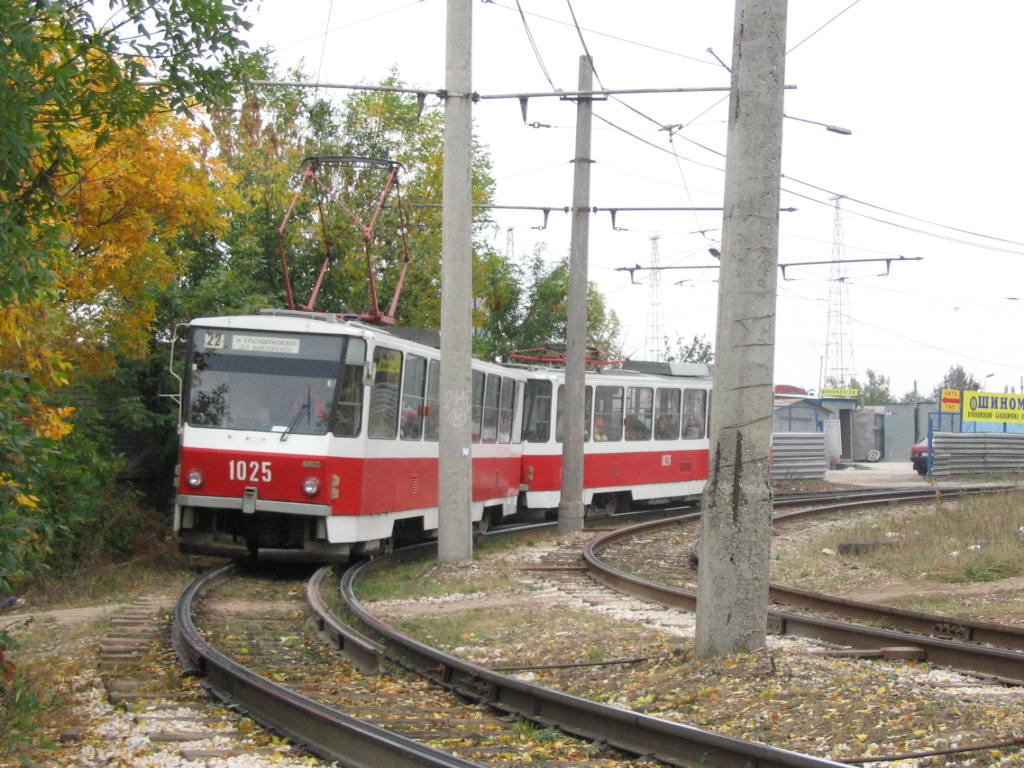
(308, 436)
(645, 435)
(311, 436)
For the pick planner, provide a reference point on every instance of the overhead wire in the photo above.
(606, 35)
(661, 126)
(793, 48)
(909, 216)
(533, 45)
(323, 46)
(674, 133)
(357, 22)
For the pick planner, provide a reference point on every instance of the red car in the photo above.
(919, 456)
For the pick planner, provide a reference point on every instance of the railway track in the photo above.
(293, 714)
(307, 693)
(987, 649)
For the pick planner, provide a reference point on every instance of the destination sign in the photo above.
(278, 345)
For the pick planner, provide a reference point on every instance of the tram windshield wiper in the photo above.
(302, 410)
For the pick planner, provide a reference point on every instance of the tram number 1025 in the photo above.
(249, 471)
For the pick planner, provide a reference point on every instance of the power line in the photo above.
(422, 93)
(323, 47)
(533, 44)
(909, 216)
(793, 48)
(606, 35)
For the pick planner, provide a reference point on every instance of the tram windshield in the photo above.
(276, 382)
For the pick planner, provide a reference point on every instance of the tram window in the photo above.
(384, 396)
(430, 410)
(666, 414)
(694, 413)
(264, 380)
(492, 393)
(588, 404)
(506, 410)
(639, 412)
(412, 397)
(608, 413)
(537, 411)
(478, 403)
(349, 413)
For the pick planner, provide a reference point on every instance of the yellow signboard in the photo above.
(993, 406)
(839, 392)
(950, 400)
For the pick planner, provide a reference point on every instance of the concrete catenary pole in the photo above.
(732, 593)
(570, 507)
(455, 530)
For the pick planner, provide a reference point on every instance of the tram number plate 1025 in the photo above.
(250, 471)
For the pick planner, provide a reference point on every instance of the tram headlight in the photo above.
(311, 486)
(194, 479)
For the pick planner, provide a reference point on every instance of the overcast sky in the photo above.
(932, 171)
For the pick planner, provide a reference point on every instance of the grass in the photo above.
(955, 541)
(35, 673)
(104, 582)
(36, 680)
(23, 696)
(536, 732)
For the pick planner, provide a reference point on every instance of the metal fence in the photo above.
(798, 456)
(967, 453)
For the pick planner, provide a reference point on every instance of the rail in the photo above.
(326, 732)
(1003, 664)
(672, 743)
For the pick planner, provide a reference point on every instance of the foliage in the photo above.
(126, 203)
(544, 309)
(67, 71)
(697, 350)
(497, 306)
(25, 447)
(131, 201)
(956, 378)
(98, 178)
(876, 391)
(264, 140)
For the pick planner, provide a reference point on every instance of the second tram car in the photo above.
(645, 436)
(313, 437)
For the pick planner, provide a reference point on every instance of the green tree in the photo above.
(71, 97)
(66, 73)
(876, 392)
(697, 350)
(544, 312)
(497, 304)
(265, 139)
(955, 378)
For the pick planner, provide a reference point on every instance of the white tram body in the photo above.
(645, 435)
(308, 436)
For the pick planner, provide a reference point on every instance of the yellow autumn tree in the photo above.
(132, 200)
(127, 203)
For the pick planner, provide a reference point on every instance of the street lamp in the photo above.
(833, 128)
